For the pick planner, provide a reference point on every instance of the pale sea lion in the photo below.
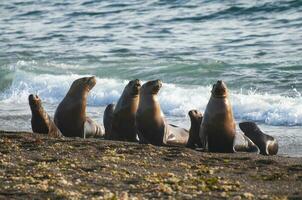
(217, 129)
(194, 140)
(267, 144)
(151, 124)
(40, 120)
(70, 116)
(123, 117)
(244, 144)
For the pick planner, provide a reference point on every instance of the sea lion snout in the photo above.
(136, 86)
(219, 89)
(195, 115)
(157, 85)
(151, 87)
(34, 100)
(138, 83)
(33, 97)
(91, 81)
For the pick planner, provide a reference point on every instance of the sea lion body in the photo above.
(151, 124)
(217, 129)
(123, 117)
(176, 136)
(70, 116)
(40, 120)
(196, 119)
(267, 144)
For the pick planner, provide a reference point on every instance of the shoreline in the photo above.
(36, 166)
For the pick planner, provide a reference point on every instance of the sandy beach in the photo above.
(34, 166)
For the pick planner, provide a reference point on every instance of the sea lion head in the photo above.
(151, 87)
(219, 90)
(84, 84)
(195, 116)
(133, 87)
(34, 101)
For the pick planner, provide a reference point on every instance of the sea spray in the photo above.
(175, 100)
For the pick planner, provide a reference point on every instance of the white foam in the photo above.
(175, 100)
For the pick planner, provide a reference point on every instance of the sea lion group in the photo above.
(137, 117)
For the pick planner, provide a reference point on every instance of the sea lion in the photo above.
(241, 142)
(70, 116)
(40, 120)
(267, 144)
(107, 120)
(123, 116)
(151, 124)
(194, 140)
(217, 129)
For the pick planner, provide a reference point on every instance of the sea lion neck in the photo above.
(147, 101)
(82, 93)
(219, 95)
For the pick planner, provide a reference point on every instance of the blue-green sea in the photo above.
(254, 46)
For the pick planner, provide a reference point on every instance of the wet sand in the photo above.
(38, 167)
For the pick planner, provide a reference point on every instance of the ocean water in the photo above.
(254, 46)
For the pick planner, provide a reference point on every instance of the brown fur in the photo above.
(217, 129)
(70, 115)
(151, 124)
(123, 117)
(267, 144)
(196, 119)
(40, 120)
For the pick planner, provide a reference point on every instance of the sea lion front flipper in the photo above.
(244, 144)
(92, 129)
(53, 130)
(203, 138)
(267, 144)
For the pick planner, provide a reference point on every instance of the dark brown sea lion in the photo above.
(267, 144)
(241, 142)
(151, 124)
(107, 120)
(40, 120)
(217, 129)
(123, 116)
(196, 119)
(70, 116)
